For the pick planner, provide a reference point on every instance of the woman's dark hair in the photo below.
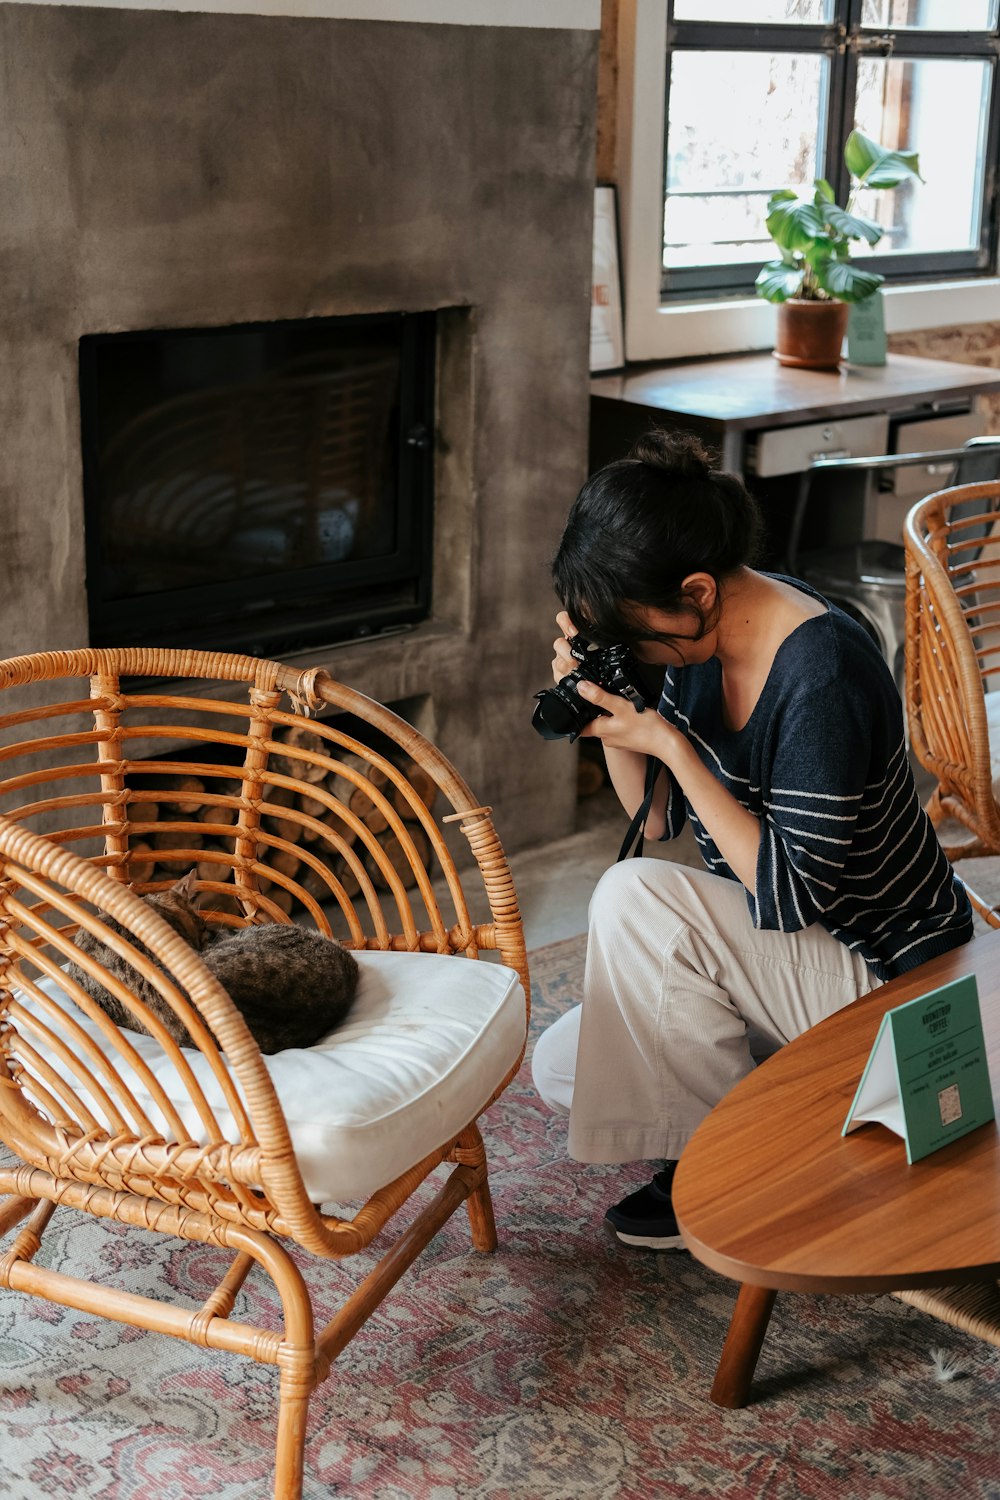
(640, 526)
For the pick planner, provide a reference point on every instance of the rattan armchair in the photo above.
(194, 1142)
(952, 542)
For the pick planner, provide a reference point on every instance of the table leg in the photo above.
(738, 1361)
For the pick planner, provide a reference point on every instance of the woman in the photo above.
(780, 736)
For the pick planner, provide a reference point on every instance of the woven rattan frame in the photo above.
(72, 765)
(952, 541)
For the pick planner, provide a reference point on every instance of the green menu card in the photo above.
(866, 340)
(927, 1076)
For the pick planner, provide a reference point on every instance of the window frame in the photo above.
(646, 31)
(841, 42)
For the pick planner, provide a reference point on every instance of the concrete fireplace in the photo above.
(167, 169)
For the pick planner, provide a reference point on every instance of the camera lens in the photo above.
(560, 711)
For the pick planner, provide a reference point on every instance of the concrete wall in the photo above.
(579, 15)
(178, 169)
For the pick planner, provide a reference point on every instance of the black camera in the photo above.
(560, 711)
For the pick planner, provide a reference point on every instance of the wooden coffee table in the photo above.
(770, 1194)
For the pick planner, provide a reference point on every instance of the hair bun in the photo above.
(678, 453)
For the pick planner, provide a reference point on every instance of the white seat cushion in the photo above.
(427, 1041)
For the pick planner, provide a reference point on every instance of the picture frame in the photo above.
(607, 322)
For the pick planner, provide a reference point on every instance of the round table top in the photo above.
(769, 1192)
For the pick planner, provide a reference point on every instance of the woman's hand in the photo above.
(562, 661)
(736, 830)
(622, 727)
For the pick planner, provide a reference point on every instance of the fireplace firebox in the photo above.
(265, 487)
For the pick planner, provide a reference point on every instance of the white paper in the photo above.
(607, 337)
(878, 1097)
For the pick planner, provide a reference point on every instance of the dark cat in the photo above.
(290, 984)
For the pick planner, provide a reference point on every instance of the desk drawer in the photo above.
(913, 483)
(789, 450)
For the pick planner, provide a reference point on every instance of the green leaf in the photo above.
(876, 166)
(819, 251)
(824, 192)
(777, 281)
(853, 226)
(792, 223)
(846, 281)
(822, 248)
(860, 153)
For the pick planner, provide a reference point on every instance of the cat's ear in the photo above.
(186, 887)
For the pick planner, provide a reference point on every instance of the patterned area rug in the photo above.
(562, 1368)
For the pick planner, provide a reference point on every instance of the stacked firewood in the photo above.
(315, 835)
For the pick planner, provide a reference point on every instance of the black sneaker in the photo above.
(646, 1217)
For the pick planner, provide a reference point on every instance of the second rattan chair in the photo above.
(952, 541)
(109, 755)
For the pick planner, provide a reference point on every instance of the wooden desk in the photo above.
(769, 1193)
(729, 401)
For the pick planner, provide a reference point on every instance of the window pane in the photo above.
(755, 12)
(722, 164)
(930, 15)
(902, 103)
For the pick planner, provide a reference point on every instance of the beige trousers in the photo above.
(676, 973)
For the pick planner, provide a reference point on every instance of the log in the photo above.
(422, 783)
(284, 828)
(362, 805)
(142, 860)
(314, 808)
(167, 838)
(284, 862)
(301, 737)
(209, 813)
(345, 790)
(281, 898)
(180, 805)
(313, 884)
(372, 817)
(348, 879)
(359, 801)
(211, 869)
(317, 887)
(321, 843)
(393, 850)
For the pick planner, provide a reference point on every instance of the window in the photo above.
(762, 94)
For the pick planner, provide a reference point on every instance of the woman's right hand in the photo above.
(562, 661)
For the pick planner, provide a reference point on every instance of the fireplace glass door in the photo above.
(262, 488)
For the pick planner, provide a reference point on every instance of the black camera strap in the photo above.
(637, 827)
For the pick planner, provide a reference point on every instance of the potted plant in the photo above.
(815, 279)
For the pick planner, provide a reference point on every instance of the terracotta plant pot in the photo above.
(810, 333)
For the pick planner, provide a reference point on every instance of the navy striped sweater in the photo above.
(822, 763)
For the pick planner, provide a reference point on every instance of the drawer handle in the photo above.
(830, 453)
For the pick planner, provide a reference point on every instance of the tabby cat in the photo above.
(290, 984)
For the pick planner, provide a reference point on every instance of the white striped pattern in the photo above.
(844, 840)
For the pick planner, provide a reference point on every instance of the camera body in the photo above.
(561, 713)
